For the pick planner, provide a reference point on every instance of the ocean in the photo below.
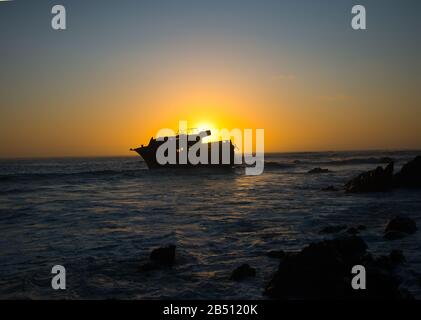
(101, 217)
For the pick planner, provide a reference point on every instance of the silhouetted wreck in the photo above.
(218, 154)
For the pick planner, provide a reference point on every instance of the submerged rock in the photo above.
(318, 170)
(330, 188)
(161, 257)
(339, 228)
(395, 235)
(352, 230)
(322, 270)
(378, 180)
(164, 256)
(410, 174)
(390, 261)
(386, 160)
(276, 254)
(400, 227)
(397, 257)
(242, 272)
(149, 266)
(333, 229)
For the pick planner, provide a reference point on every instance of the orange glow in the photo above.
(108, 117)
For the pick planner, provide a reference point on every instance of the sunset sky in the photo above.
(124, 69)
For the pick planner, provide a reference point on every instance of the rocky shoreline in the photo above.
(323, 269)
(383, 179)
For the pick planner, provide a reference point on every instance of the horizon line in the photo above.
(134, 155)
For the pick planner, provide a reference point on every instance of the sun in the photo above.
(203, 126)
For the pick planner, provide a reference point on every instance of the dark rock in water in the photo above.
(377, 180)
(322, 270)
(149, 266)
(333, 229)
(383, 262)
(395, 235)
(399, 227)
(386, 160)
(389, 262)
(318, 170)
(161, 257)
(410, 174)
(164, 256)
(330, 188)
(339, 228)
(352, 230)
(242, 272)
(356, 230)
(396, 257)
(276, 254)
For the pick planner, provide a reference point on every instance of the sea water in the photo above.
(101, 217)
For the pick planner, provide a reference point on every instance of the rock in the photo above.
(242, 272)
(164, 256)
(378, 180)
(159, 258)
(338, 228)
(276, 254)
(330, 188)
(389, 262)
(386, 160)
(149, 266)
(318, 170)
(333, 229)
(322, 270)
(382, 262)
(394, 235)
(406, 295)
(410, 174)
(352, 230)
(400, 227)
(349, 247)
(396, 257)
